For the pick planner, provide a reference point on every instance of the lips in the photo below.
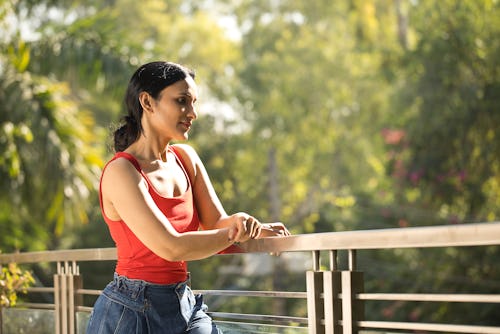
(187, 125)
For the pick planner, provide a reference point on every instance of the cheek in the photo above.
(166, 112)
(161, 120)
(168, 119)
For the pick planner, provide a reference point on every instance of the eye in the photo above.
(181, 100)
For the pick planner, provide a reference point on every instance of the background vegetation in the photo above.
(326, 115)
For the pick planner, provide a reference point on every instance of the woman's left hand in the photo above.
(277, 229)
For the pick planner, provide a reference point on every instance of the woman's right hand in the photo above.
(243, 227)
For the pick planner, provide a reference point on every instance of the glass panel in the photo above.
(17, 320)
(81, 322)
(237, 327)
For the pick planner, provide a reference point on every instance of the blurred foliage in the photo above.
(12, 281)
(453, 116)
(329, 116)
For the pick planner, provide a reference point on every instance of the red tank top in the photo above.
(135, 260)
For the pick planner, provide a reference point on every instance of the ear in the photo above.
(146, 101)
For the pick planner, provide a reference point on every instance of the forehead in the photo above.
(186, 86)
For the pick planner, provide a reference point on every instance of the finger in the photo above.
(257, 231)
(248, 226)
(257, 228)
(251, 222)
(283, 230)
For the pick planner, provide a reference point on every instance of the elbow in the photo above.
(176, 256)
(174, 251)
(172, 255)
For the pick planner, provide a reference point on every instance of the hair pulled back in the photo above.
(151, 78)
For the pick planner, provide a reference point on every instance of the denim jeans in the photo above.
(128, 306)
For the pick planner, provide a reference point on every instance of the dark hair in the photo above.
(151, 78)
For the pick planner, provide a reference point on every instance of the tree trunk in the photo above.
(402, 25)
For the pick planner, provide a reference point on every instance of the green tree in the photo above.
(446, 164)
(313, 92)
(49, 163)
(453, 117)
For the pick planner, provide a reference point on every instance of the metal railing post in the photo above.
(315, 308)
(332, 288)
(74, 283)
(57, 300)
(66, 282)
(352, 308)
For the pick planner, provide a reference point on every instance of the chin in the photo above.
(182, 137)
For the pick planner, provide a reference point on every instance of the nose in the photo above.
(191, 112)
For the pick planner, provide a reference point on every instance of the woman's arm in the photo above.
(125, 196)
(210, 209)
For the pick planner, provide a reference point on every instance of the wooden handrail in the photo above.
(481, 234)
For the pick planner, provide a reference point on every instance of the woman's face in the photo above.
(174, 110)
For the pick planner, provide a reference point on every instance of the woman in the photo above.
(161, 210)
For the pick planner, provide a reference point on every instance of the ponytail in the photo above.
(126, 134)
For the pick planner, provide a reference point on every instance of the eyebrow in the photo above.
(188, 94)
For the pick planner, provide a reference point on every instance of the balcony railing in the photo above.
(334, 297)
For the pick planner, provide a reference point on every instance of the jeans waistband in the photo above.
(137, 284)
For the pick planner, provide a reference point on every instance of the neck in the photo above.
(150, 153)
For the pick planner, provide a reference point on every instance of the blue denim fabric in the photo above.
(128, 306)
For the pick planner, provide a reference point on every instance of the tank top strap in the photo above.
(181, 162)
(130, 158)
(135, 163)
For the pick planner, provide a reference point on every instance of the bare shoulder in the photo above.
(119, 179)
(120, 169)
(188, 155)
(186, 151)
